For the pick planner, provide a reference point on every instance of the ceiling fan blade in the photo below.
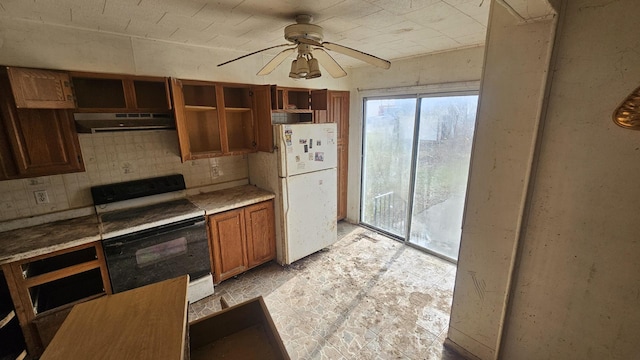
(368, 58)
(277, 60)
(327, 62)
(255, 52)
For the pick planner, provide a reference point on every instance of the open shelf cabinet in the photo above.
(96, 92)
(214, 119)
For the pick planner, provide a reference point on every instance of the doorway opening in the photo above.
(415, 166)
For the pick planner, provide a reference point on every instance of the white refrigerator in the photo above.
(302, 173)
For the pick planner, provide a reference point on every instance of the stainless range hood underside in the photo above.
(104, 122)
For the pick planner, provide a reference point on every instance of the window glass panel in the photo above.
(388, 141)
(444, 151)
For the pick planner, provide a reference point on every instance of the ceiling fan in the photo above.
(307, 38)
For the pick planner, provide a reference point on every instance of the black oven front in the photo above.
(157, 254)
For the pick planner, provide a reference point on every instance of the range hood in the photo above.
(103, 122)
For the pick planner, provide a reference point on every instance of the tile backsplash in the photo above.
(115, 157)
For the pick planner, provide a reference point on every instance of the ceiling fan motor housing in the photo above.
(303, 31)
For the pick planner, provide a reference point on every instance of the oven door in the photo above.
(158, 254)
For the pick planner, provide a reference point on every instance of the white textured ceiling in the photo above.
(388, 29)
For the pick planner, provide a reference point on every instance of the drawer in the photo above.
(244, 331)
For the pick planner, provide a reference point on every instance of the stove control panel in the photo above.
(128, 190)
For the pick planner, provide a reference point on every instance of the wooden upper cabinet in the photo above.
(8, 167)
(44, 142)
(36, 142)
(40, 89)
(215, 119)
(197, 119)
(338, 112)
(290, 99)
(319, 99)
(120, 93)
(264, 128)
(239, 132)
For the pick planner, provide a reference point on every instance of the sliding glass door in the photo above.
(388, 148)
(415, 165)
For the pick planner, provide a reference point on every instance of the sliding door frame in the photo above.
(413, 168)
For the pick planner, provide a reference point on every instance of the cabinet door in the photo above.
(261, 240)
(339, 113)
(181, 119)
(43, 142)
(41, 89)
(38, 141)
(342, 181)
(228, 243)
(262, 111)
(8, 169)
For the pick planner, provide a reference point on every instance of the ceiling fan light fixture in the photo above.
(302, 66)
(293, 72)
(308, 40)
(314, 69)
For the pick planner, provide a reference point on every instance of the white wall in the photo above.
(568, 225)
(34, 44)
(513, 84)
(409, 76)
(577, 286)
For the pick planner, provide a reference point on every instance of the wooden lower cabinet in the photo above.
(11, 340)
(241, 239)
(260, 231)
(44, 289)
(228, 244)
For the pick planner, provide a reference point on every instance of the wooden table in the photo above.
(143, 323)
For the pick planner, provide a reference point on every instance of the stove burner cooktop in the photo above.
(133, 206)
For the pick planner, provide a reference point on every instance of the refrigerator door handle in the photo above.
(282, 146)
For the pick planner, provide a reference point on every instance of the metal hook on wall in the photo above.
(627, 114)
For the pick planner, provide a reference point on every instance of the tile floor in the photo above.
(365, 297)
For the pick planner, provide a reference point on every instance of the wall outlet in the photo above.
(41, 197)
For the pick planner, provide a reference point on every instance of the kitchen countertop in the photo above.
(123, 222)
(32, 241)
(42, 239)
(229, 199)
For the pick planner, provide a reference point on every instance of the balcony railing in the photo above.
(389, 213)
